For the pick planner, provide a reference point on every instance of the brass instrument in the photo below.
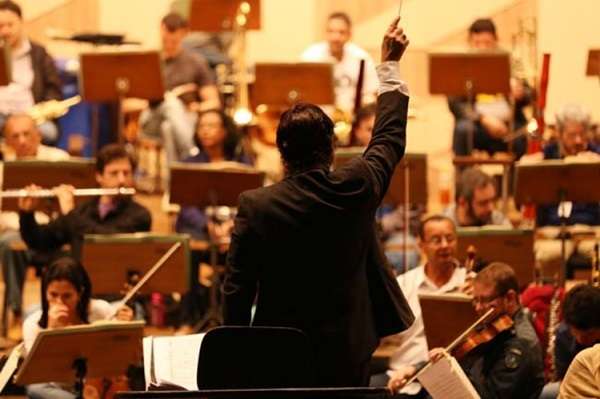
(44, 111)
(78, 192)
(242, 115)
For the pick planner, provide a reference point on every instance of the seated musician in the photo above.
(66, 301)
(483, 125)
(34, 75)
(573, 144)
(101, 215)
(579, 330)
(362, 126)
(190, 86)
(510, 365)
(583, 379)
(440, 274)
(346, 57)
(22, 140)
(476, 197)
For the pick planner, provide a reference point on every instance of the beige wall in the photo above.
(567, 31)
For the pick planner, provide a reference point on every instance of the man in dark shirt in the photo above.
(101, 215)
(306, 246)
(190, 88)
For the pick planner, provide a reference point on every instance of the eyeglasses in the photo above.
(484, 300)
(437, 240)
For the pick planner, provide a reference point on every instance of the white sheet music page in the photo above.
(445, 379)
(174, 360)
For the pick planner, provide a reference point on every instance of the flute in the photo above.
(78, 192)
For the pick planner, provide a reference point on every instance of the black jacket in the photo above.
(46, 83)
(307, 246)
(128, 217)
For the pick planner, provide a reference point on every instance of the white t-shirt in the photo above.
(99, 310)
(412, 347)
(345, 73)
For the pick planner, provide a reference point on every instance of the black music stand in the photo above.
(593, 63)
(282, 85)
(71, 354)
(80, 173)
(497, 244)
(470, 73)
(112, 260)
(407, 186)
(219, 185)
(5, 66)
(113, 76)
(561, 182)
(218, 15)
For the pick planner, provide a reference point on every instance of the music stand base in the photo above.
(80, 367)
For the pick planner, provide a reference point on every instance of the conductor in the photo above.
(306, 246)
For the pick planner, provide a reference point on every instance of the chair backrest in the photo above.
(255, 357)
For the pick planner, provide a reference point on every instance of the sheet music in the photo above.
(172, 360)
(11, 365)
(445, 379)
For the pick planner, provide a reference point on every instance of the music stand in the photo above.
(593, 63)
(445, 316)
(71, 354)
(497, 244)
(80, 173)
(213, 186)
(282, 85)
(5, 66)
(469, 73)
(561, 182)
(218, 15)
(114, 259)
(407, 186)
(113, 76)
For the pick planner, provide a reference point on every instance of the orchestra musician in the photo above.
(303, 246)
(362, 127)
(66, 301)
(34, 75)
(439, 274)
(100, 215)
(190, 88)
(579, 330)
(509, 364)
(346, 57)
(22, 140)
(483, 124)
(476, 197)
(582, 380)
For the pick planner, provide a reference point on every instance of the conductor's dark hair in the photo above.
(174, 21)
(8, 5)
(231, 143)
(112, 152)
(305, 138)
(581, 307)
(483, 25)
(341, 15)
(67, 269)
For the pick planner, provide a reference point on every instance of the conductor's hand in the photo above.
(401, 377)
(66, 199)
(29, 204)
(394, 42)
(125, 313)
(58, 315)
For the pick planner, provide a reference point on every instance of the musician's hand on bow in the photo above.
(124, 313)
(29, 204)
(436, 354)
(394, 42)
(400, 377)
(58, 315)
(66, 198)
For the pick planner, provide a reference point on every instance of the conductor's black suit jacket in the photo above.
(306, 249)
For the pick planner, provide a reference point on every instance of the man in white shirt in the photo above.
(22, 140)
(440, 274)
(346, 57)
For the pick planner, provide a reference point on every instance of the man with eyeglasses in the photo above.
(510, 365)
(439, 274)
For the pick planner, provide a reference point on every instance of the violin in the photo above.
(482, 335)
